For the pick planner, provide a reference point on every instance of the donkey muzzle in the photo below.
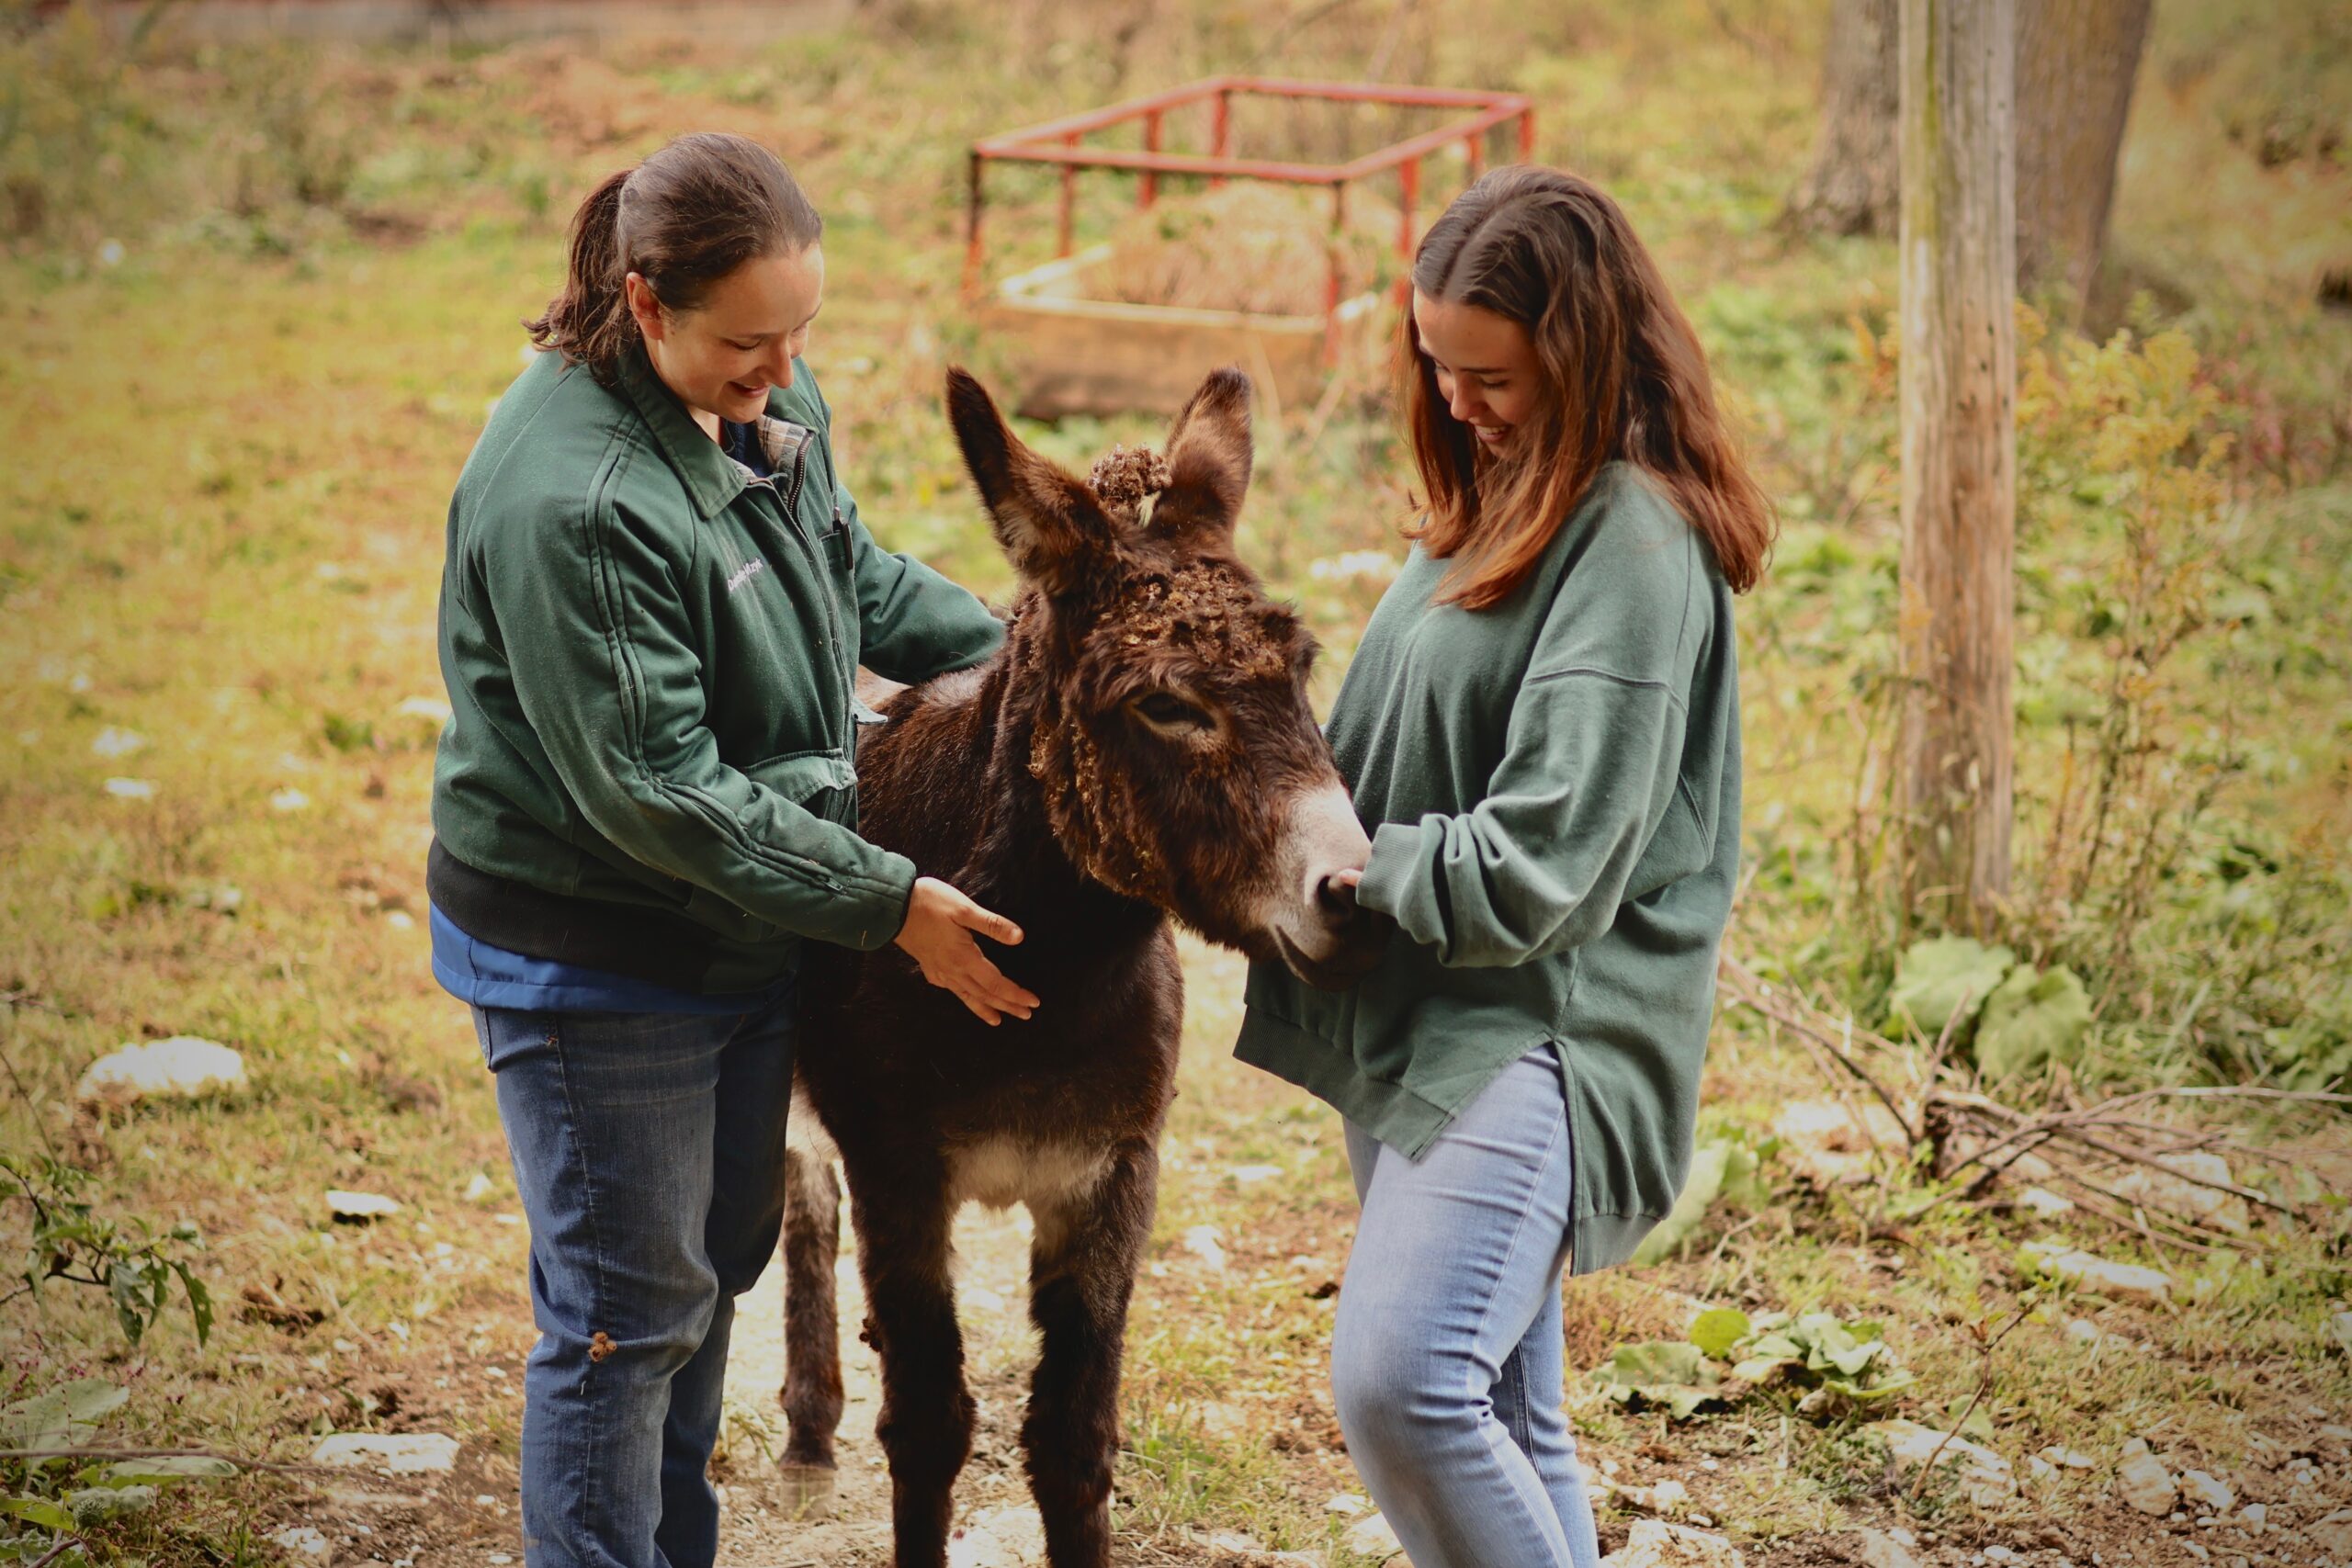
(1325, 936)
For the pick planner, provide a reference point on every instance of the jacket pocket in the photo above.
(820, 782)
(834, 535)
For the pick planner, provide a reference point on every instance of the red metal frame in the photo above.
(1061, 141)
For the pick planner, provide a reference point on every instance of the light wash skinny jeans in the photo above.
(1446, 1356)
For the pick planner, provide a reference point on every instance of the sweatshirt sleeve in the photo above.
(1591, 759)
(613, 692)
(912, 622)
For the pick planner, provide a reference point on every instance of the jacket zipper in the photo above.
(791, 502)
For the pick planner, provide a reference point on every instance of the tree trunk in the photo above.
(1958, 245)
(2076, 62)
(1850, 189)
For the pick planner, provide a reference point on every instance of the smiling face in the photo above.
(1485, 365)
(722, 356)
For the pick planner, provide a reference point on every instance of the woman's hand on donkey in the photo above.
(938, 934)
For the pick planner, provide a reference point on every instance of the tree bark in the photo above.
(2076, 60)
(2077, 63)
(1850, 189)
(1957, 242)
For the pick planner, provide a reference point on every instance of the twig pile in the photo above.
(2085, 1148)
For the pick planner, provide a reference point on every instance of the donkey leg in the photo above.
(812, 1378)
(903, 1212)
(1081, 1272)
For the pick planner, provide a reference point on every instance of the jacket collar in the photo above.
(711, 478)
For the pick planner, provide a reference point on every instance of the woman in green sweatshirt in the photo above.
(1542, 729)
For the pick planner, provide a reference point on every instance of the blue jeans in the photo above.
(1446, 1356)
(649, 1149)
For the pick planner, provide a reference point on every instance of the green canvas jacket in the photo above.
(650, 655)
(1553, 789)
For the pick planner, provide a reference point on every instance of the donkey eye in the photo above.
(1171, 712)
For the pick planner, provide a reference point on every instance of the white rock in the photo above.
(2068, 1459)
(1375, 566)
(1250, 1175)
(1667, 1497)
(2156, 1189)
(2206, 1492)
(1221, 1420)
(2143, 1480)
(1000, 1538)
(980, 1297)
(1371, 1537)
(360, 1205)
(430, 708)
(2254, 1515)
(113, 742)
(478, 1189)
(1202, 1242)
(288, 799)
(402, 1453)
(304, 1541)
(1349, 1503)
(2045, 1202)
(2030, 1167)
(183, 1068)
(1822, 1138)
(2091, 1336)
(2092, 1272)
(2340, 1327)
(131, 789)
(1984, 1476)
(1654, 1543)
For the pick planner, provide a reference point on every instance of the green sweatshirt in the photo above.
(1553, 786)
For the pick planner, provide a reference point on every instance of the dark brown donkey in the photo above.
(1140, 749)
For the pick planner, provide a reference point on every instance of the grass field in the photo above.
(257, 300)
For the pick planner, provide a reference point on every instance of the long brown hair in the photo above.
(1625, 380)
(683, 219)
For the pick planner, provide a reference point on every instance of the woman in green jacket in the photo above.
(656, 597)
(1542, 729)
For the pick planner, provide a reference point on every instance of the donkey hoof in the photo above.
(806, 1490)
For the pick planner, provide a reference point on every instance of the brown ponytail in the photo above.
(683, 219)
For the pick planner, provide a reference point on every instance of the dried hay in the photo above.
(1249, 246)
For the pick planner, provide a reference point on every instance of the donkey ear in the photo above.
(1208, 458)
(1050, 525)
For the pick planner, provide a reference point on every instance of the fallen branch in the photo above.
(1748, 988)
(237, 1459)
(2136, 1157)
(1984, 1387)
(1949, 1107)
